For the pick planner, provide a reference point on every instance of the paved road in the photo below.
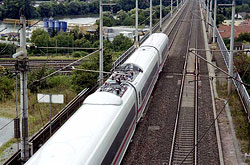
(8, 132)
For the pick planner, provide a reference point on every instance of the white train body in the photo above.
(100, 131)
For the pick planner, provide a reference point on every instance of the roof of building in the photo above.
(243, 27)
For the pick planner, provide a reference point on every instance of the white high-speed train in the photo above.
(100, 131)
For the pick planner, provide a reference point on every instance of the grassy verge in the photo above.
(239, 117)
(6, 150)
(38, 113)
(7, 145)
(8, 109)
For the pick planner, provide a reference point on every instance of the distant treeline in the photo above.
(11, 8)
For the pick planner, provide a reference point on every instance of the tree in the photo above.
(242, 62)
(40, 37)
(126, 5)
(74, 8)
(6, 87)
(94, 7)
(83, 43)
(84, 8)
(121, 43)
(109, 21)
(59, 9)
(76, 33)
(220, 18)
(2, 12)
(45, 9)
(244, 37)
(12, 9)
(81, 79)
(129, 21)
(121, 15)
(36, 75)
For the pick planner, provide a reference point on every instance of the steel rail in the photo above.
(181, 15)
(196, 104)
(180, 98)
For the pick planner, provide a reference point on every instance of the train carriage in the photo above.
(100, 131)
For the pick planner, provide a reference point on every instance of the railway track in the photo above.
(158, 125)
(184, 148)
(35, 64)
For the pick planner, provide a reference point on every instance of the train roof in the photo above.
(103, 98)
(155, 40)
(69, 146)
(142, 57)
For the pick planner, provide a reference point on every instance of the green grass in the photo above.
(38, 112)
(8, 109)
(239, 117)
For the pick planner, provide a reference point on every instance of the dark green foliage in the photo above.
(45, 10)
(2, 12)
(76, 33)
(108, 20)
(40, 37)
(12, 9)
(227, 42)
(79, 54)
(220, 18)
(121, 43)
(61, 82)
(74, 8)
(242, 63)
(241, 6)
(243, 37)
(128, 18)
(48, 9)
(7, 49)
(7, 86)
(37, 75)
(130, 4)
(81, 79)
(83, 43)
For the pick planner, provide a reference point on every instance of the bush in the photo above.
(6, 87)
(76, 54)
(81, 79)
(59, 81)
(79, 54)
(36, 75)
